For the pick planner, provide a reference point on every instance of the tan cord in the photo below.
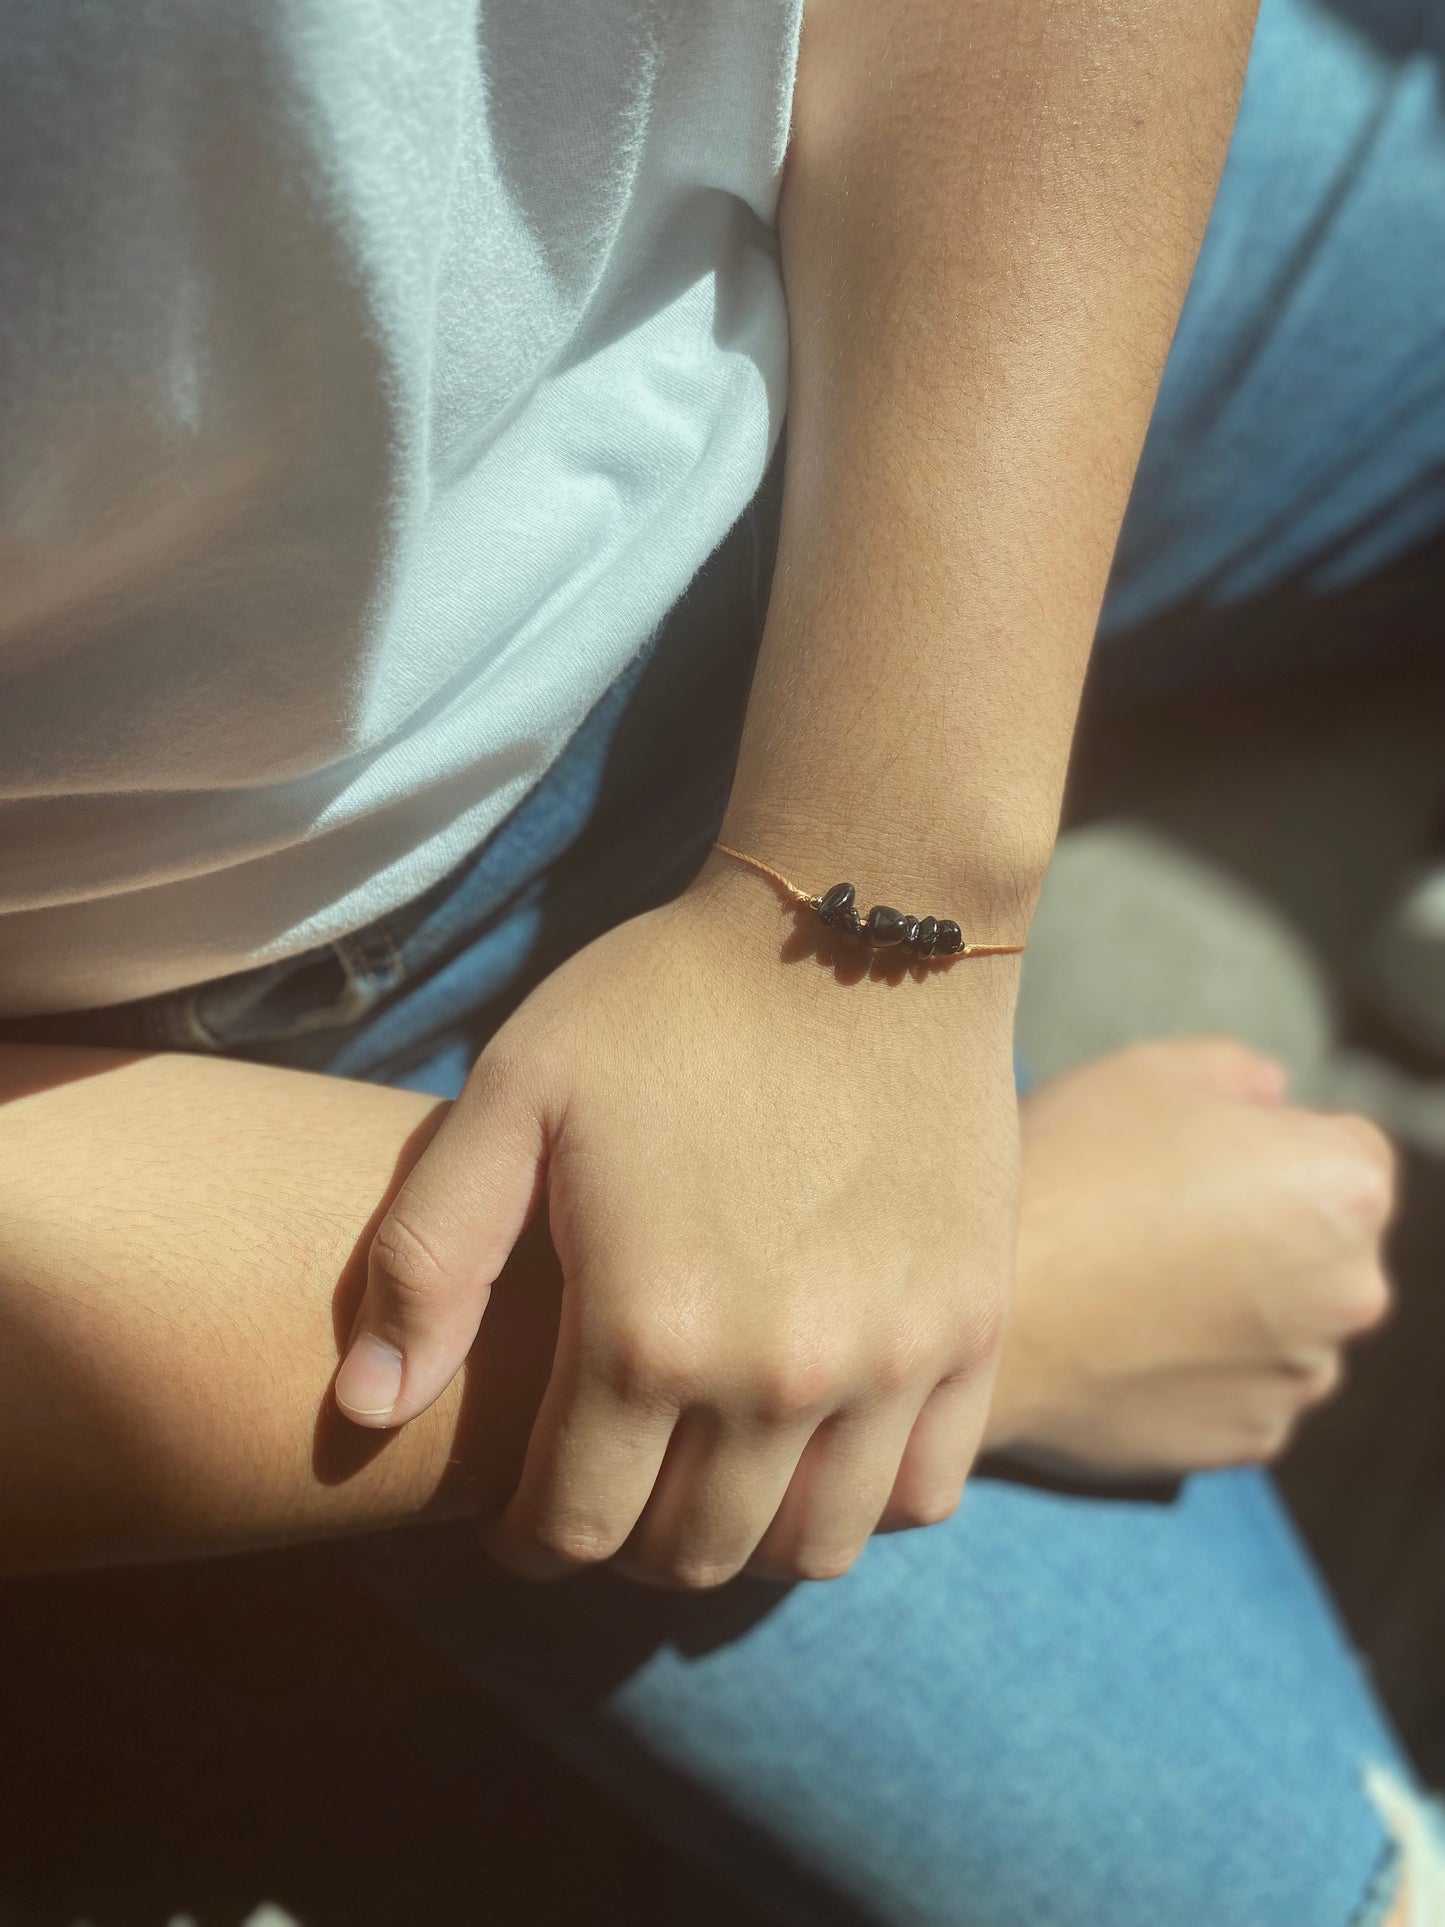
(767, 870)
(804, 896)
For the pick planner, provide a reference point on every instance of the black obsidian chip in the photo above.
(886, 925)
(834, 903)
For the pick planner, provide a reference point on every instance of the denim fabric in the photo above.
(1052, 1710)
(1299, 437)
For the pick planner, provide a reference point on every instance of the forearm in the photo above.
(182, 1241)
(989, 219)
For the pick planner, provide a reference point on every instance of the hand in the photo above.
(1194, 1253)
(784, 1206)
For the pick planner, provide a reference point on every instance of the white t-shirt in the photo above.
(373, 378)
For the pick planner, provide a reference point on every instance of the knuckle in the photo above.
(821, 1563)
(1365, 1179)
(1320, 1380)
(679, 1563)
(793, 1386)
(1269, 1436)
(698, 1572)
(892, 1367)
(927, 1507)
(1255, 1437)
(975, 1332)
(1367, 1305)
(577, 1542)
(1278, 1444)
(503, 1068)
(1229, 1056)
(648, 1366)
(414, 1270)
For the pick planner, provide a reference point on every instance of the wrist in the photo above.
(989, 891)
(759, 937)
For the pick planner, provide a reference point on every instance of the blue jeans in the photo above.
(1052, 1711)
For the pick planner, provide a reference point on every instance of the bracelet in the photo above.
(884, 928)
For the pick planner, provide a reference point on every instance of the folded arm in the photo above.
(181, 1244)
(179, 1241)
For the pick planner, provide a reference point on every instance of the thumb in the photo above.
(437, 1252)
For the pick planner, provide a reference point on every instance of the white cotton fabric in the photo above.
(373, 378)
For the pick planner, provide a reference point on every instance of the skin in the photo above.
(988, 221)
(1195, 1254)
(182, 1240)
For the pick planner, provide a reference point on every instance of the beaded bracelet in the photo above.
(884, 928)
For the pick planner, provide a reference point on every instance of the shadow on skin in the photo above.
(519, 1328)
(31, 1069)
(502, 1382)
(587, 1632)
(584, 1633)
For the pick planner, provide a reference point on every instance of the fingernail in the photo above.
(369, 1382)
